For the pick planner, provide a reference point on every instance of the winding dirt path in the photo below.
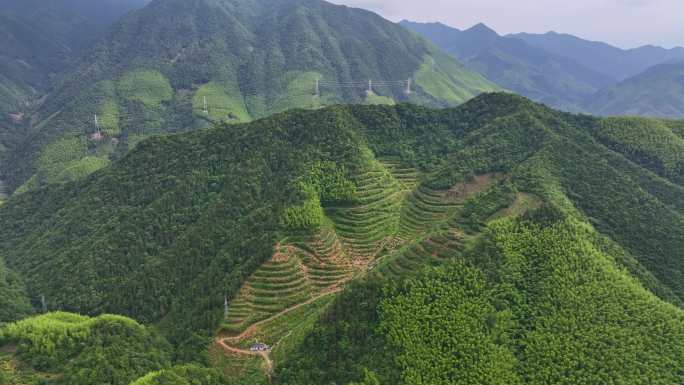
(223, 341)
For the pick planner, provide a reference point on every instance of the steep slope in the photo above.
(177, 65)
(254, 229)
(516, 65)
(39, 41)
(657, 92)
(40, 38)
(603, 58)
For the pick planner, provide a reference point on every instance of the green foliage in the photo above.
(343, 345)
(305, 216)
(648, 142)
(181, 375)
(369, 378)
(374, 99)
(539, 301)
(107, 349)
(448, 81)
(151, 88)
(331, 182)
(14, 303)
(446, 330)
(205, 205)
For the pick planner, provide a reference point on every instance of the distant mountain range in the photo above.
(659, 91)
(611, 61)
(516, 65)
(567, 72)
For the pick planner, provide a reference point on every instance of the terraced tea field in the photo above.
(297, 272)
(395, 228)
(366, 227)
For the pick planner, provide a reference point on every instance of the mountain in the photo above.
(39, 41)
(603, 58)
(39, 38)
(516, 65)
(657, 92)
(181, 64)
(353, 239)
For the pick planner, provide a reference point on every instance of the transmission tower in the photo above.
(206, 106)
(225, 307)
(408, 87)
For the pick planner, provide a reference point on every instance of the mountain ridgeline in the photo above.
(514, 64)
(618, 63)
(567, 72)
(544, 235)
(176, 65)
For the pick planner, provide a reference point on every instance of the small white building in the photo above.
(260, 348)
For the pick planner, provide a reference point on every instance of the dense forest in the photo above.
(524, 241)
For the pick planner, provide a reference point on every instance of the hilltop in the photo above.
(177, 65)
(546, 233)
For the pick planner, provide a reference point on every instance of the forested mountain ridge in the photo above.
(176, 65)
(550, 227)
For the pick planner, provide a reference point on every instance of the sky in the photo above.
(624, 23)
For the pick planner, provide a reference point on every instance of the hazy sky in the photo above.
(625, 23)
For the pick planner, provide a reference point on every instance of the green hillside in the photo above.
(40, 41)
(549, 235)
(63, 348)
(177, 65)
(657, 92)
